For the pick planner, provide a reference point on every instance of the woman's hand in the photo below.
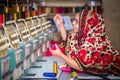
(58, 19)
(56, 52)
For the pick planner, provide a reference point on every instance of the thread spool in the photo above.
(33, 13)
(36, 13)
(6, 9)
(28, 14)
(65, 69)
(55, 67)
(23, 13)
(23, 8)
(49, 74)
(39, 10)
(15, 16)
(17, 9)
(3, 16)
(1, 20)
(52, 46)
(74, 75)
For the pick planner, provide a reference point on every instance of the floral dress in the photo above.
(95, 53)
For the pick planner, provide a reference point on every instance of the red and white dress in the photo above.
(95, 52)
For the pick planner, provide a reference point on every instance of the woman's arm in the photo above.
(71, 62)
(63, 31)
(59, 20)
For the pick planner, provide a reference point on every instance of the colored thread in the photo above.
(36, 13)
(17, 9)
(65, 69)
(55, 67)
(1, 20)
(25, 14)
(28, 14)
(6, 9)
(52, 46)
(63, 10)
(23, 8)
(49, 74)
(15, 16)
(74, 74)
(33, 13)
(3, 17)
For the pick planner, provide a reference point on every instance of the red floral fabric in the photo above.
(95, 53)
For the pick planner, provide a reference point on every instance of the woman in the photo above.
(88, 48)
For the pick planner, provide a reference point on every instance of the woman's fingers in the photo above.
(56, 17)
(51, 50)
